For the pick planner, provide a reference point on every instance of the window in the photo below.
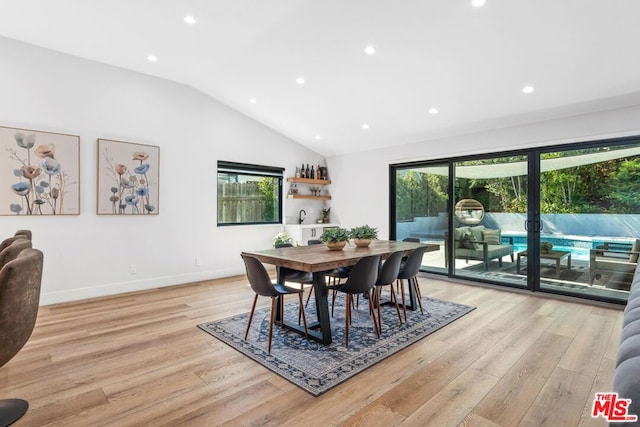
(249, 194)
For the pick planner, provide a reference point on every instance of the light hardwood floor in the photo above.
(139, 360)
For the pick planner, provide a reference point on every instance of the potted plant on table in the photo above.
(335, 238)
(282, 239)
(363, 235)
(545, 247)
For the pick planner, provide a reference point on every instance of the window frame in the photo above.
(257, 171)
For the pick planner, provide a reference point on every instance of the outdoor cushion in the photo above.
(457, 234)
(492, 237)
(468, 241)
(477, 232)
(635, 248)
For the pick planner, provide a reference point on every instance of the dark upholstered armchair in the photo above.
(20, 281)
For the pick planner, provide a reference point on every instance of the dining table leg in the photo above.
(318, 331)
(322, 306)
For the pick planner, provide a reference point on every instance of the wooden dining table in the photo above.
(317, 259)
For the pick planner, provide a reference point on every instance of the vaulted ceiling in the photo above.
(469, 63)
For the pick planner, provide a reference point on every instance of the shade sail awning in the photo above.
(519, 168)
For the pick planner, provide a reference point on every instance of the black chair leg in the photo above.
(273, 309)
(253, 308)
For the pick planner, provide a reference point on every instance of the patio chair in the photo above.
(613, 259)
(478, 243)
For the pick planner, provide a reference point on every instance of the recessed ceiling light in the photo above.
(370, 50)
(478, 3)
(433, 111)
(252, 100)
(190, 20)
(365, 126)
(318, 137)
(300, 80)
(527, 89)
(152, 58)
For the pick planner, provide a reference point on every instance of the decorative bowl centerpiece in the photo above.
(363, 235)
(335, 238)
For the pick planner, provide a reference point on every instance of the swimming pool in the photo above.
(579, 246)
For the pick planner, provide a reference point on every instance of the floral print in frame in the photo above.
(40, 172)
(128, 178)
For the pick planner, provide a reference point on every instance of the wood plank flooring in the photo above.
(139, 360)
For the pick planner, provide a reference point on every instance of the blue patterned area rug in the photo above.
(317, 368)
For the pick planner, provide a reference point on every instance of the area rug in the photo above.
(317, 368)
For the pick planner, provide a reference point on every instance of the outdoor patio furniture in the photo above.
(478, 243)
(614, 258)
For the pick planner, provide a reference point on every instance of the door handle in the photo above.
(526, 224)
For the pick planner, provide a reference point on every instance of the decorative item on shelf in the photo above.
(325, 215)
(545, 247)
(363, 235)
(323, 172)
(282, 238)
(297, 175)
(469, 211)
(335, 238)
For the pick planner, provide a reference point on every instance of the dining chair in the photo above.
(12, 251)
(263, 286)
(291, 275)
(362, 280)
(388, 275)
(409, 272)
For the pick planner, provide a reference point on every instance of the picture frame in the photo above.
(128, 180)
(43, 172)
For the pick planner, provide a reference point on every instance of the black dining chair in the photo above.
(388, 275)
(291, 275)
(263, 286)
(362, 280)
(409, 272)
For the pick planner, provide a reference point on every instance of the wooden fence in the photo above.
(240, 202)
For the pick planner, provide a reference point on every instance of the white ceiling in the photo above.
(470, 63)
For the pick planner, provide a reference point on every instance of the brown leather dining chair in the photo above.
(20, 281)
(12, 251)
(263, 286)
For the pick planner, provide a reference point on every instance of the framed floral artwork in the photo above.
(128, 178)
(42, 170)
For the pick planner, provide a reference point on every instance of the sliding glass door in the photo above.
(561, 220)
(422, 197)
(489, 213)
(590, 216)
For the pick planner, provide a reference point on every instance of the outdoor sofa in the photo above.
(478, 243)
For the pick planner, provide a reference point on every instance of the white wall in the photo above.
(90, 255)
(361, 193)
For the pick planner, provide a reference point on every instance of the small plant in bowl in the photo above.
(282, 239)
(363, 235)
(335, 237)
(545, 247)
